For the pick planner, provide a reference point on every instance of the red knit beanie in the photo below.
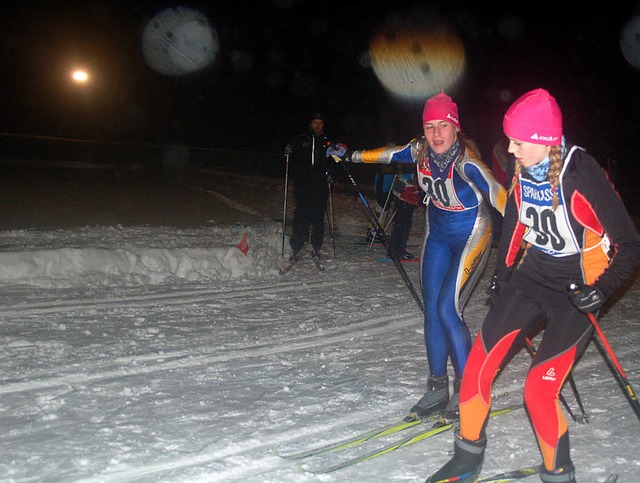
(441, 107)
(535, 118)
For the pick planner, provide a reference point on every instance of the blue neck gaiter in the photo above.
(539, 171)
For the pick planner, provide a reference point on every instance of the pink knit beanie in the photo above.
(441, 107)
(535, 118)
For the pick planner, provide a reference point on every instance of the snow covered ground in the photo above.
(160, 352)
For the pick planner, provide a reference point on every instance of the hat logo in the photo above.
(543, 138)
(452, 117)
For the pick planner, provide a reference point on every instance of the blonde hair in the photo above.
(468, 142)
(555, 166)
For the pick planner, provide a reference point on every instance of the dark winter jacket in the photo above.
(589, 238)
(309, 163)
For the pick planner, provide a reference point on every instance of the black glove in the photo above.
(498, 283)
(587, 298)
(288, 150)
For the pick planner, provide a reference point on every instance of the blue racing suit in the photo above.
(457, 240)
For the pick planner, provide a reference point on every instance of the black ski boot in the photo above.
(562, 474)
(466, 463)
(451, 410)
(435, 399)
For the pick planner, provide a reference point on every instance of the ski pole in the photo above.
(574, 389)
(286, 190)
(373, 240)
(388, 198)
(622, 377)
(376, 223)
(384, 209)
(391, 219)
(333, 238)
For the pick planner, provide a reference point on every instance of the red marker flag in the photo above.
(243, 246)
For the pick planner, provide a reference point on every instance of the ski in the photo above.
(415, 438)
(380, 452)
(524, 473)
(291, 264)
(511, 475)
(316, 260)
(363, 437)
(293, 261)
(407, 422)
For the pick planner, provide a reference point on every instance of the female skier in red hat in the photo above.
(458, 235)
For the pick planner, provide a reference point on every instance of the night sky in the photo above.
(279, 60)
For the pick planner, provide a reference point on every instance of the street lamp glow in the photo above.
(80, 76)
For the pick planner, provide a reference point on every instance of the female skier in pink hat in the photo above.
(458, 235)
(576, 230)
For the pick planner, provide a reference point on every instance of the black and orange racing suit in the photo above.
(589, 238)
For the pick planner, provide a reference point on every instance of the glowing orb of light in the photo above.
(630, 41)
(80, 76)
(179, 41)
(415, 62)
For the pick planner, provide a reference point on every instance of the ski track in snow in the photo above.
(171, 360)
(133, 367)
(172, 298)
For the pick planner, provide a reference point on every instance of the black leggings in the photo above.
(521, 311)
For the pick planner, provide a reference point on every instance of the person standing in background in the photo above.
(406, 196)
(382, 184)
(311, 170)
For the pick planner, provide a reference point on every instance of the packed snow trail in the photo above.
(158, 376)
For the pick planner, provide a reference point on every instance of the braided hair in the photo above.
(555, 166)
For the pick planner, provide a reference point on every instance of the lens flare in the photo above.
(179, 41)
(415, 62)
(630, 42)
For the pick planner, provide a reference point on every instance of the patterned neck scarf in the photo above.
(443, 160)
(539, 171)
